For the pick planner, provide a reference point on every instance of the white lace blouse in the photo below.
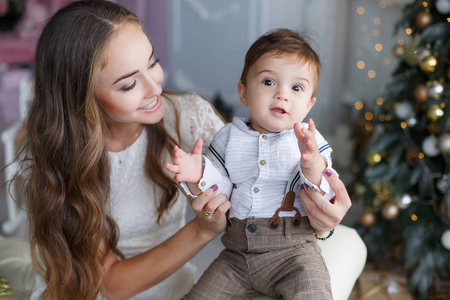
(134, 201)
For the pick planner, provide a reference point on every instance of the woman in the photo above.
(105, 218)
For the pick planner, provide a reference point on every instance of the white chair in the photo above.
(15, 215)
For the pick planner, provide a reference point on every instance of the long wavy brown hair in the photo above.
(64, 155)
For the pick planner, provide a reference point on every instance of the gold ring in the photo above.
(208, 214)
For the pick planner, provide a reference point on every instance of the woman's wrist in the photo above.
(203, 234)
(323, 235)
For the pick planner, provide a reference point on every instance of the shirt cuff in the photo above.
(210, 177)
(324, 186)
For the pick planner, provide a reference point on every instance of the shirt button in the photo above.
(251, 227)
(264, 137)
(255, 190)
(262, 162)
(203, 183)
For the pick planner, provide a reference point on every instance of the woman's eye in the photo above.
(129, 88)
(154, 63)
(267, 82)
(297, 88)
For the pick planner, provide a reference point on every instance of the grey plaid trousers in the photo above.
(282, 262)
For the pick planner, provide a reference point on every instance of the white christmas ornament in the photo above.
(444, 143)
(430, 146)
(443, 6)
(404, 110)
(445, 239)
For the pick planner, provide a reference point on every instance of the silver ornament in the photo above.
(444, 143)
(405, 200)
(403, 110)
(411, 122)
(435, 89)
(445, 239)
(430, 146)
(442, 184)
(443, 6)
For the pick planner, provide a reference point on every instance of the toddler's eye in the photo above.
(268, 82)
(297, 88)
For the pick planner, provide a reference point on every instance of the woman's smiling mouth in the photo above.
(150, 105)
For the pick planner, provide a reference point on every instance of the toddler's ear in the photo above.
(242, 94)
(311, 103)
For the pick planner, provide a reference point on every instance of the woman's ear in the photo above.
(242, 94)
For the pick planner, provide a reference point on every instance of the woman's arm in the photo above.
(325, 215)
(125, 278)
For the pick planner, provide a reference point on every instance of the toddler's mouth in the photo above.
(278, 110)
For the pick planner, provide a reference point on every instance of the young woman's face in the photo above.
(129, 86)
(278, 91)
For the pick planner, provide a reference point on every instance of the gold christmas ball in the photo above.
(435, 89)
(421, 93)
(429, 63)
(390, 211)
(434, 112)
(373, 158)
(423, 19)
(399, 49)
(367, 219)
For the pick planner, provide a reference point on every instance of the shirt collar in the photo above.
(243, 125)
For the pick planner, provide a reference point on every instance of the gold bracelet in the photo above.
(324, 238)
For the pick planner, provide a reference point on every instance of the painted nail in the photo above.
(307, 186)
(302, 188)
(214, 187)
(329, 173)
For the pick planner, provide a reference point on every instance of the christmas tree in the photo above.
(403, 173)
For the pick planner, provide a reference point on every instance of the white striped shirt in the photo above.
(254, 169)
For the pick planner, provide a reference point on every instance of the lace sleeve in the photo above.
(199, 119)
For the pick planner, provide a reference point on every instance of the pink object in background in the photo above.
(3, 7)
(34, 18)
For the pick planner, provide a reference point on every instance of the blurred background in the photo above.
(381, 105)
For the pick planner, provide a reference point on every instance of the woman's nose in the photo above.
(152, 86)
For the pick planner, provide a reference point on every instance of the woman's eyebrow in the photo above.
(134, 72)
(125, 76)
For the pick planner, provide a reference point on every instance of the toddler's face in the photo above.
(278, 92)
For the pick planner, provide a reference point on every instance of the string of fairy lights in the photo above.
(385, 57)
(407, 51)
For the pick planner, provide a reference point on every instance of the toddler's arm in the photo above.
(311, 161)
(188, 166)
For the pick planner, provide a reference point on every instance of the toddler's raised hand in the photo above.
(308, 145)
(187, 166)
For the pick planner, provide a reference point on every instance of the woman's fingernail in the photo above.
(302, 188)
(214, 187)
(307, 186)
(329, 173)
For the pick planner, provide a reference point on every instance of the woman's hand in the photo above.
(325, 215)
(211, 219)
